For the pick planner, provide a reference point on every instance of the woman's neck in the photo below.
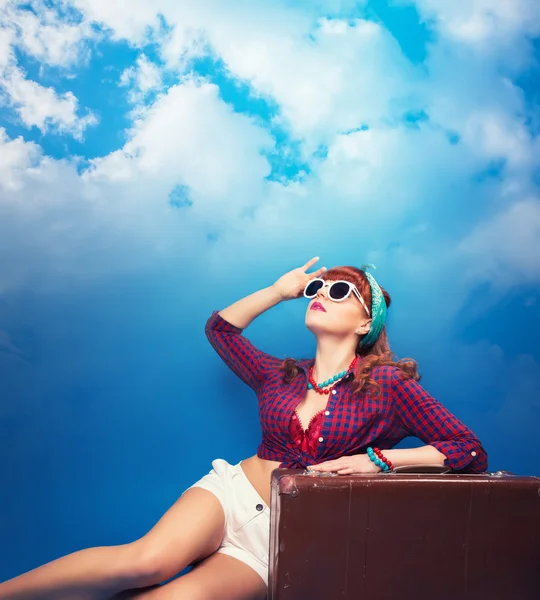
(333, 356)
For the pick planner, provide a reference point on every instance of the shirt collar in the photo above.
(307, 363)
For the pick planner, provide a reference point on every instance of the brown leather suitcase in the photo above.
(404, 536)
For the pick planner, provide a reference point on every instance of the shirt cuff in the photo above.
(462, 455)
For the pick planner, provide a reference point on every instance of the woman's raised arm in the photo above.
(288, 286)
(224, 328)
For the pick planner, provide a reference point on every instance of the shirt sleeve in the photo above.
(239, 354)
(425, 418)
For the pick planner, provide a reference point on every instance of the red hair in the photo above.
(374, 356)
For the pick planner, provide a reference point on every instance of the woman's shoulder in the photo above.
(283, 371)
(385, 373)
(391, 375)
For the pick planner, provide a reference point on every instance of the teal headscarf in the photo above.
(378, 309)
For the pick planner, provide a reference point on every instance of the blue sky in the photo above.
(160, 160)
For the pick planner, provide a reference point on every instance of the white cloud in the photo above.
(190, 137)
(491, 27)
(57, 224)
(126, 19)
(329, 76)
(46, 37)
(506, 249)
(43, 34)
(52, 230)
(43, 107)
(7, 37)
(500, 136)
(143, 77)
(391, 162)
(16, 157)
(326, 76)
(473, 97)
(483, 20)
(331, 83)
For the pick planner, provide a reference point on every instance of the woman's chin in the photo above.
(316, 322)
(322, 324)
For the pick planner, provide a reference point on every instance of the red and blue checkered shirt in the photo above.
(352, 422)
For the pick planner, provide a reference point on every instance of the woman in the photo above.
(325, 414)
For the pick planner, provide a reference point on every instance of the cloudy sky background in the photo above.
(159, 160)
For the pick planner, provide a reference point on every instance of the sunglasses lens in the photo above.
(313, 287)
(339, 290)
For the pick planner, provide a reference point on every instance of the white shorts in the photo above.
(247, 517)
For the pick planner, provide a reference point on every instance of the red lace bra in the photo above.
(307, 440)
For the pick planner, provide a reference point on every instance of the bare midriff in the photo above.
(259, 472)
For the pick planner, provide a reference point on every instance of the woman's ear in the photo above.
(363, 327)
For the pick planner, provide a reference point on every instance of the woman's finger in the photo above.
(346, 471)
(310, 263)
(324, 467)
(331, 465)
(319, 272)
(338, 464)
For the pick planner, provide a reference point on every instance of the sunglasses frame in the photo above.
(329, 284)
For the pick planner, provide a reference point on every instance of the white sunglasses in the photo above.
(337, 290)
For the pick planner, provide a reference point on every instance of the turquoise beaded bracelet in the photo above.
(375, 459)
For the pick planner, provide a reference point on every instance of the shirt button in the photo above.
(473, 453)
(321, 439)
(334, 392)
(259, 507)
(326, 412)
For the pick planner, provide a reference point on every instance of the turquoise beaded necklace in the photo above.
(329, 381)
(319, 387)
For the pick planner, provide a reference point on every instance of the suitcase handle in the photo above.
(436, 469)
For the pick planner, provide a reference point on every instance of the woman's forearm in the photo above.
(288, 286)
(425, 455)
(242, 312)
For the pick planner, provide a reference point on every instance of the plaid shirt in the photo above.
(352, 422)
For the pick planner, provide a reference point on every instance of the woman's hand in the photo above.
(292, 284)
(348, 465)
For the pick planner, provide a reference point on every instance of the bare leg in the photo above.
(189, 531)
(132, 594)
(219, 577)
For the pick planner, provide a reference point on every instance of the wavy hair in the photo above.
(377, 355)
